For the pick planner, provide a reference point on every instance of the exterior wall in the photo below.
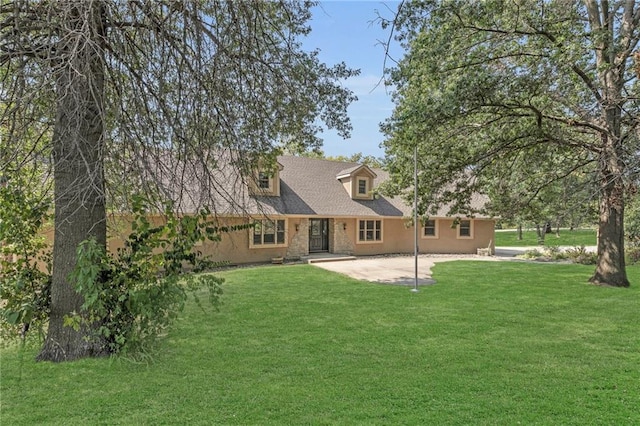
(233, 246)
(299, 241)
(343, 234)
(448, 241)
(339, 239)
(398, 238)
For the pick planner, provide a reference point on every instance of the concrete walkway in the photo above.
(400, 270)
(394, 270)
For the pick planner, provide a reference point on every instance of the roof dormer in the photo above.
(266, 180)
(358, 182)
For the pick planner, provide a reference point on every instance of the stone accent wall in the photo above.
(341, 242)
(299, 243)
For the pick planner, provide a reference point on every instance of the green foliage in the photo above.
(566, 237)
(479, 94)
(578, 254)
(532, 254)
(550, 253)
(516, 100)
(134, 296)
(632, 229)
(582, 256)
(359, 158)
(632, 255)
(632, 222)
(25, 263)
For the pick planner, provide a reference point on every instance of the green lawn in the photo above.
(577, 237)
(491, 343)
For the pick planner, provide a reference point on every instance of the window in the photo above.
(362, 187)
(264, 180)
(269, 232)
(370, 230)
(430, 230)
(464, 229)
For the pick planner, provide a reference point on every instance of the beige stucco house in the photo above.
(308, 205)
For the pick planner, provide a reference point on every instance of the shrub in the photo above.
(25, 263)
(135, 295)
(632, 221)
(554, 253)
(546, 253)
(580, 255)
(532, 254)
(633, 254)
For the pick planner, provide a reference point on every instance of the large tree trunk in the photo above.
(78, 174)
(610, 268)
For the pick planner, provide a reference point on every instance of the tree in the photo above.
(632, 224)
(521, 195)
(546, 86)
(359, 158)
(149, 96)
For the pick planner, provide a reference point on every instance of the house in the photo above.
(307, 205)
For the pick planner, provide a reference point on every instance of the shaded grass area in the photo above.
(491, 343)
(576, 237)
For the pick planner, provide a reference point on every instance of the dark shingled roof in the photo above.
(309, 186)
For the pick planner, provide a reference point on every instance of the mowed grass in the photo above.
(566, 237)
(490, 343)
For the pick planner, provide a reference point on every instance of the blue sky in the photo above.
(346, 31)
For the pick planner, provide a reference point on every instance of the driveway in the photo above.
(400, 270)
(395, 270)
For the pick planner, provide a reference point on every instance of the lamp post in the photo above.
(415, 217)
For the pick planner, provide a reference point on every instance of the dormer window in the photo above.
(358, 181)
(362, 186)
(264, 181)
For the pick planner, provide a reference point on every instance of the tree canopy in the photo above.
(131, 96)
(511, 97)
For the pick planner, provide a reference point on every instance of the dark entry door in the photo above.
(318, 235)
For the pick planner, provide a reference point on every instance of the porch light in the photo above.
(297, 227)
(344, 226)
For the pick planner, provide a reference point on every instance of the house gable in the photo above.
(358, 182)
(265, 181)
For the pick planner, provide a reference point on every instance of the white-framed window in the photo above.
(369, 231)
(430, 229)
(465, 229)
(363, 186)
(269, 233)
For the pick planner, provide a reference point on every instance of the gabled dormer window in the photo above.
(358, 181)
(266, 180)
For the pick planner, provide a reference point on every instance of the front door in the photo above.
(318, 235)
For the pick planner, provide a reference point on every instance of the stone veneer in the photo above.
(299, 244)
(342, 244)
